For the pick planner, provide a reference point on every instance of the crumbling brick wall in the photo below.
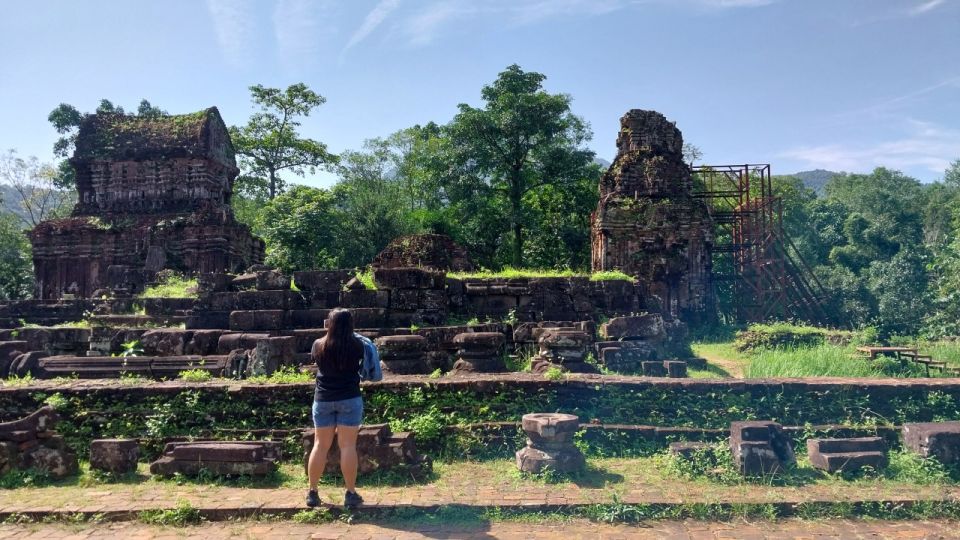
(153, 194)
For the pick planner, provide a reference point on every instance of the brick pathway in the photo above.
(693, 530)
(477, 484)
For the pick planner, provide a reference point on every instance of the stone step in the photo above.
(108, 367)
(212, 451)
(848, 461)
(852, 444)
(168, 466)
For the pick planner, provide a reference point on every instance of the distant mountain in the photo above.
(815, 179)
(601, 162)
(10, 201)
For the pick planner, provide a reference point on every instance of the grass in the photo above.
(173, 286)
(195, 375)
(365, 276)
(527, 273)
(284, 375)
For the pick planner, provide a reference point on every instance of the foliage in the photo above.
(16, 266)
(284, 375)
(302, 230)
(523, 139)
(195, 375)
(172, 286)
(182, 515)
(510, 272)
(365, 276)
(269, 142)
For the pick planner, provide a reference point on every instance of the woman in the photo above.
(343, 359)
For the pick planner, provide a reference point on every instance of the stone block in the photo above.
(208, 282)
(322, 280)
(308, 318)
(272, 280)
(274, 319)
(233, 341)
(408, 278)
(688, 449)
(676, 369)
(117, 456)
(208, 320)
(653, 368)
(649, 326)
(940, 440)
(220, 458)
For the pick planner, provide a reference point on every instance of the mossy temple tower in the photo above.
(648, 223)
(153, 194)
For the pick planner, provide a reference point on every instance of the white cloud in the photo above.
(233, 23)
(425, 25)
(923, 145)
(300, 28)
(926, 6)
(372, 21)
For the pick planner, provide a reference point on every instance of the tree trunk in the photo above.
(273, 184)
(516, 208)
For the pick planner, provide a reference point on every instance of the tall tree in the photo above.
(300, 228)
(270, 143)
(522, 139)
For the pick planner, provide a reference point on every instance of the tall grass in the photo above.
(824, 361)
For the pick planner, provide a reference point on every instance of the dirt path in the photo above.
(731, 366)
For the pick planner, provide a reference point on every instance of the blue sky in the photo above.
(801, 84)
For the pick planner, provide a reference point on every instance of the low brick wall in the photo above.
(103, 409)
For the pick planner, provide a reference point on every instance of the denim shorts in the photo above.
(347, 412)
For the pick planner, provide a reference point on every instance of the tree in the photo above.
(16, 268)
(269, 143)
(66, 119)
(523, 139)
(373, 199)
(301, 229)
(34, 185)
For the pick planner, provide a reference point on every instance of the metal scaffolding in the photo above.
(753, 259)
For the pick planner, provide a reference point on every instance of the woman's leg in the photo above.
(347, 441)
(322, 440)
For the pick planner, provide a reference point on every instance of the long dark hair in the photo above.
(339, 350)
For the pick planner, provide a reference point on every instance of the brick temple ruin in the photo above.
(153, 194)
(648, 223)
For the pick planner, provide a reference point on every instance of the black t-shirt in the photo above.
(338, 385)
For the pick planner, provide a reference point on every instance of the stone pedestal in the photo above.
(403, 355)
(550, 444)
(479, 352)
(117, 456)
(760, 448)
(566, 349)
(934, 439)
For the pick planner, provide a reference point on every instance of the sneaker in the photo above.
(352, 499)
(313, 500)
